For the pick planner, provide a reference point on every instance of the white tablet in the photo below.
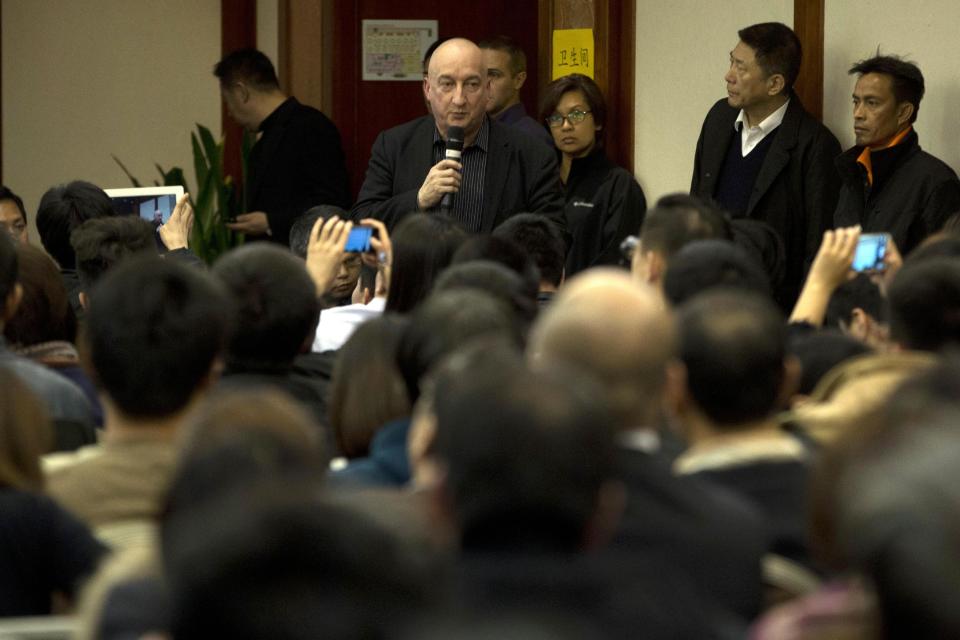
(154, 204)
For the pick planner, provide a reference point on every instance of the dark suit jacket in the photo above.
(715, 537)
(796, 190)
(521, 176)
(297, 164)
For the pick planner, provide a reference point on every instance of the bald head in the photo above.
(619, 331)
(456, 86)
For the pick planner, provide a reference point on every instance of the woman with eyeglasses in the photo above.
(604, 202)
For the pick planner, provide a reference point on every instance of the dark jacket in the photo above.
(387, 465)
(521, 175)
(604, 205)
(912, 195)
(297, 164)
(797, 187)
(516, 116)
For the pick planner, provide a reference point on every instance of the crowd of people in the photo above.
(537, 409)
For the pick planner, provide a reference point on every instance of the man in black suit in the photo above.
(762, 156)
(622, 334)
(502, 171)
(298, 161)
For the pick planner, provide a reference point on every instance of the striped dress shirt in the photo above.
(467, 206)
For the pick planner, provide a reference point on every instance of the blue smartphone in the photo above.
(871, 249)
(359, 240)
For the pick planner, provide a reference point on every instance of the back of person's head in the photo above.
(905, 76)
(303, 225)
(44, 313)
(677, 220)
(776, 48)
(423, 246)
(275, 301)
(100, 243)
(64, 208)
(366, 389)
(820, 351)
(153, 331)
(280, 563)
(619, 332)
(445, 322)
(504, 251)
(924, 301)
(237, 438)
(25, 435)
(952, 225)
(940, 246)
(706, 264)
(733, 344)
(897, 509)
(541, 239)
(524, 453)
(248, 66)
(9, 274)
(858, 293)
(495, 279)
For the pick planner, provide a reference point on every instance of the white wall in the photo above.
(268, 29)
(925, 32)
(683, 51)
(84, 79)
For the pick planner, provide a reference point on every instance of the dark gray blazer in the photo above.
(521, 176)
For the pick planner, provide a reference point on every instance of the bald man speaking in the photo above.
(501, 171)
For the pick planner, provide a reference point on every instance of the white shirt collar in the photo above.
(769, 123)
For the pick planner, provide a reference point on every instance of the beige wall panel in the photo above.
(82, 80)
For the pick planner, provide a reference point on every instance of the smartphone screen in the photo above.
(871, 248)
(359, 240)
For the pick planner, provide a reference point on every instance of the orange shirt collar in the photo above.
(864, 157)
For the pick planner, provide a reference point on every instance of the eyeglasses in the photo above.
(575, 117)
(628, 247)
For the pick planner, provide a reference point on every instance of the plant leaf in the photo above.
(133, 180)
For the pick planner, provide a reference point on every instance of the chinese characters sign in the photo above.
(394, 49)
(572, 52)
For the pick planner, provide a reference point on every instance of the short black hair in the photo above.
(541, 239)
(7, 194)
(925, 304)
(777, 49)
(859, 293)
(153, 331)
(505, 251)
(518, 59)
(99, 244)
(275, 301)
(9, 269)
(819, 352)
(495, 279)
(679, 219)
(423, 246)
(445, 322)
(62, 209)
(733, 344)
(907, 80)
(947, 246)
(303, 225)
(525, 453)
(706, 264)
(250, 66)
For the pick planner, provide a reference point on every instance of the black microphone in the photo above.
(454, 149)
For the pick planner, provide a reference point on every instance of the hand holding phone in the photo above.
(359, 240)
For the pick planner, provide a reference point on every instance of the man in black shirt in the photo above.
(298, 161)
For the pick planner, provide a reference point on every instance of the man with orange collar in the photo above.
(890, 184)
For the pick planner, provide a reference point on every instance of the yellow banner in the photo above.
(572, 52)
